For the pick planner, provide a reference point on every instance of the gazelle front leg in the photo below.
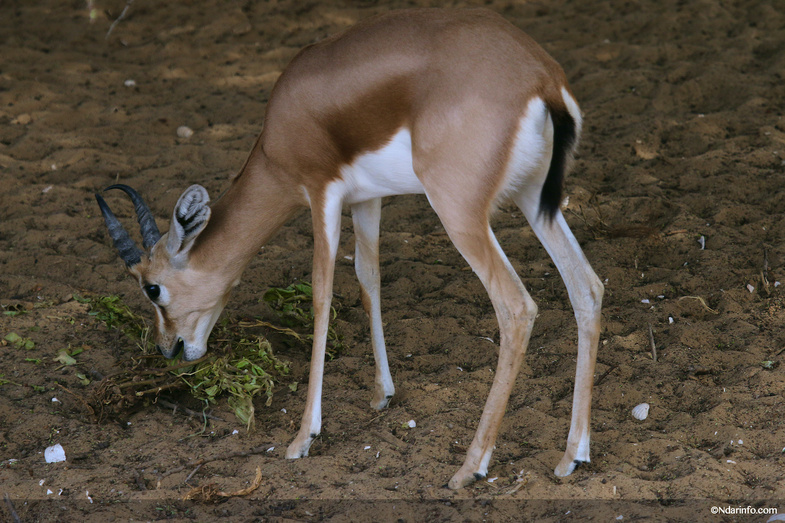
(326, 214)
(366, 216)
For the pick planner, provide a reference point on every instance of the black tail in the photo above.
(563, 142)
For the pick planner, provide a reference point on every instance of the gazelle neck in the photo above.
(257, 204)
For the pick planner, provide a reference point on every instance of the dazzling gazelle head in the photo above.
(187, 298)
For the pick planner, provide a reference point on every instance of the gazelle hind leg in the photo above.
(585, 290)
(470, 231)
(327, 228)
(366, 216)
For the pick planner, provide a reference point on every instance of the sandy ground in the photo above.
(684, 139)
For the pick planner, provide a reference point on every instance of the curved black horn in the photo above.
(128, 250)
(150, 233)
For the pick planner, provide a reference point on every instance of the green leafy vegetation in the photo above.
(19, 342)
(115, 314)
(240, 366)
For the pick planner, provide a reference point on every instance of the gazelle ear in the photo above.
(189, 219)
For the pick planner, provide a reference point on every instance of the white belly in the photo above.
(385, 172)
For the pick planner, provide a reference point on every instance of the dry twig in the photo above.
(175, 407)
(211, 494)
(122, 15)
(10, 506)
(653, 346)
(764, 273)
(605, 375)
(78, 397)
(703, 302)
(227, 455)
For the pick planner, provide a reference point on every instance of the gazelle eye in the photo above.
(153, 291)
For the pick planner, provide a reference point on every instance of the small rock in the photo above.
(22, 119)
(184, 131)
(54, 454)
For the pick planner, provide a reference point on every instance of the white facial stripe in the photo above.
(163, 298)
(197, 346)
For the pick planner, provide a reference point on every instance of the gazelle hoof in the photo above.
(462, 479)
(299, 448)
(379, 404)
(566, 467)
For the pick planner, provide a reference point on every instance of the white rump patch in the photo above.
(530, 157)
(574, 110)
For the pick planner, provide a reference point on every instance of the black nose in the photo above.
(174, 352)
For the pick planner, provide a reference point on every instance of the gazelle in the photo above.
(458, 105)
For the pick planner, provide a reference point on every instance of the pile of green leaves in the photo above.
(250, 369)
(241, 365)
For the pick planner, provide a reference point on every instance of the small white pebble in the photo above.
(55, 400)
(49, 492)
(412, 424)
(235, 431)
(741, 442)
(184, 131)
(367, 447)
(750, 288)
(130, 83)
(619, 518)
(645, 301)
(641, 412)
(731, 461)
(670, 319)
(41, 483)
(54, 454)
